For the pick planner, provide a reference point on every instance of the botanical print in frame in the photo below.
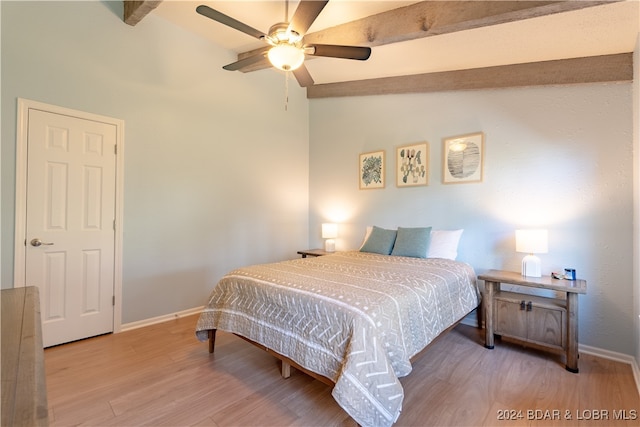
(371, 170)
(463, 158)
(412, 165)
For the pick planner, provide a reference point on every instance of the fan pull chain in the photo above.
(286, 89)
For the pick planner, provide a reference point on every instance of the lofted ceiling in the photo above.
(436, 45)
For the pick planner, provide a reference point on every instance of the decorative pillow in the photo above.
(412, 242)
(380, 241)
(444, 244)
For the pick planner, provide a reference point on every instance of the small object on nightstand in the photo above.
(570, 274)
(313, 252)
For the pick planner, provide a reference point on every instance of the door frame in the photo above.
(24, 105)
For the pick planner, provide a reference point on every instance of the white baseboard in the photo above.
(164, 318)
(612, 355)
(470, 322)
(470, 319)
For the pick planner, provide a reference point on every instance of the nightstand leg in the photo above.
(487, 304)
(212, 340)
(572, 332)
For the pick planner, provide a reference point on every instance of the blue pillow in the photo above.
(412, 242)
(380, 241)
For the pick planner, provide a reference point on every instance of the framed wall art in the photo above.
(463, 158)
(412, 165)
(371, 170)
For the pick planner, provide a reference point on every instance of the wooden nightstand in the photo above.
(313, 252)
(548, 322)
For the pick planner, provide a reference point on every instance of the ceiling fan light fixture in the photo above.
(286, 57)
(281, 32)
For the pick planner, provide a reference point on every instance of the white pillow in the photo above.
(444, 244)
(366, 236)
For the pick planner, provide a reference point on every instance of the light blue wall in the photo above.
(555, 157)
(216, 171)
(218, 175)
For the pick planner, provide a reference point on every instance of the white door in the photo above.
(70, 223)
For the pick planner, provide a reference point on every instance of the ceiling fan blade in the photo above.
(228, 21)
(302, 76)
(306, 13)
(337, 51)
(246, 62)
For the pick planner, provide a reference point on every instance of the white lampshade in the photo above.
(329, 232)
(286, 57)
(532, 242)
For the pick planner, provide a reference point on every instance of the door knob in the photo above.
(37, 242)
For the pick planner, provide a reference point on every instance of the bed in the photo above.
(353, 318)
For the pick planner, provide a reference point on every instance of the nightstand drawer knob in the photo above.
(529, 306)
(522, 305)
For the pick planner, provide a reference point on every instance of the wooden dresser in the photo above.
(24, 391)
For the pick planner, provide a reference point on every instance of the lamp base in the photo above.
(330, 245)
(531, 266)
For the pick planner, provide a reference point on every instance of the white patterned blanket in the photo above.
(353, 317)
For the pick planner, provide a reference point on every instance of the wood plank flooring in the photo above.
(161, 375)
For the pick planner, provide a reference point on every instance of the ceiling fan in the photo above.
(288, 50)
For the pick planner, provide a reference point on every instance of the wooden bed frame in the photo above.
(288, 363)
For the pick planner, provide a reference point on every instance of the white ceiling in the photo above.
(599, 30)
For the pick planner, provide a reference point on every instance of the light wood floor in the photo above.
(162, 376)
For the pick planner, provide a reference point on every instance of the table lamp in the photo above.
(532, 242)
(329, 232)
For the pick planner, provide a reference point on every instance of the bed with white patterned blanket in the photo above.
(355, 318)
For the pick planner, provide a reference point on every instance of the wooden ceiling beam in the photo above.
(595, 69)
(431, 18)
(134, 11)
